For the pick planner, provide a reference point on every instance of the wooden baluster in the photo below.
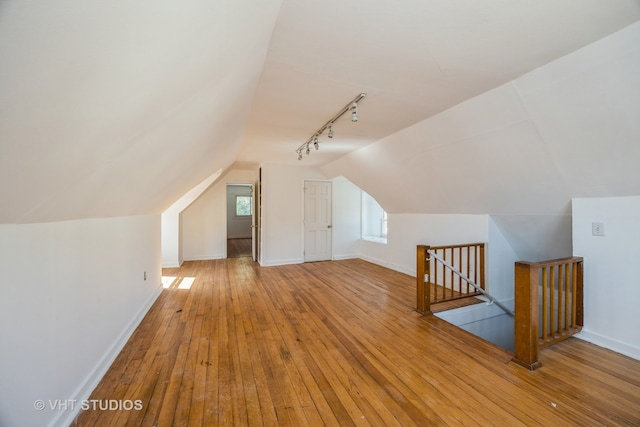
(545, 304)
(552, 297)
(567, 288)
(562, 280)
(574, 288)
(458, 278)
(440, 279)
(450, 274)
(469, 266)
(476, 266)
(452, 262)
(482, 275)
(559, 292)
(435, 278)
(423, 292)
(579, 305)
(526, 315)
(442, 274)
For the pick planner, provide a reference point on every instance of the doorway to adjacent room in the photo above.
(239, 220)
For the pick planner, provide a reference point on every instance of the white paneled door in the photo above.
(317, 221)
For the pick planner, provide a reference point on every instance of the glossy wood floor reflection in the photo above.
(338, 343)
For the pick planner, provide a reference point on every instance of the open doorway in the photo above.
(239, 220)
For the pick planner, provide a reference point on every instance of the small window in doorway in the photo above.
(243, 205)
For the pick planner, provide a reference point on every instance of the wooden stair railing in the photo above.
(548, 306)
(436, 284)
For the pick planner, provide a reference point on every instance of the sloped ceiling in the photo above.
(113, 108)
(119, 108)
(522, 151)
(413, 58)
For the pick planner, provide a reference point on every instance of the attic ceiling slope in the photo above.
(521, 151)
(414, 59)
(118, 108)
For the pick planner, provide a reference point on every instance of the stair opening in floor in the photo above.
(486, 321)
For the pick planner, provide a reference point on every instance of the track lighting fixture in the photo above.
(351, 107)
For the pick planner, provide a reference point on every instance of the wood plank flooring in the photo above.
(238, 248)
(338, 343)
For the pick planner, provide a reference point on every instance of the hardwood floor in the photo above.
(238, 248)
(338, 343)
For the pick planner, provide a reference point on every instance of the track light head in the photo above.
(351, 107)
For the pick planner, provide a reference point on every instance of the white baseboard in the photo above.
(91, 381)
(276, 262)
(170, 265)
(614, 345)
(204, 257)
(343, 257)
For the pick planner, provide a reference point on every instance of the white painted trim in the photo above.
(171, 265)
(204, 257)
(87, 386)
(611, 344)
(375, 239)
(276, 262)
(343, 257)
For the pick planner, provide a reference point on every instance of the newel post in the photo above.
(526, 315)
(580, 295)
(423, 291)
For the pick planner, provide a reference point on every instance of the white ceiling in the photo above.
(119, 108)
(413, 58)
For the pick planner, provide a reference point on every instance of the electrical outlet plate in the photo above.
(597, 228)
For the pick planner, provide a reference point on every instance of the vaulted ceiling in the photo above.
(119, 108)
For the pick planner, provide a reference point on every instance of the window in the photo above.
(374, 220)
(243, 205)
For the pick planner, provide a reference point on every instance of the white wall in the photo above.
(501, 264)
(204, 222)
(172, 223)
(406, 231)
(170, 238)
(611, 291)
(347, 200)
(283, 211)
(71, 293)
